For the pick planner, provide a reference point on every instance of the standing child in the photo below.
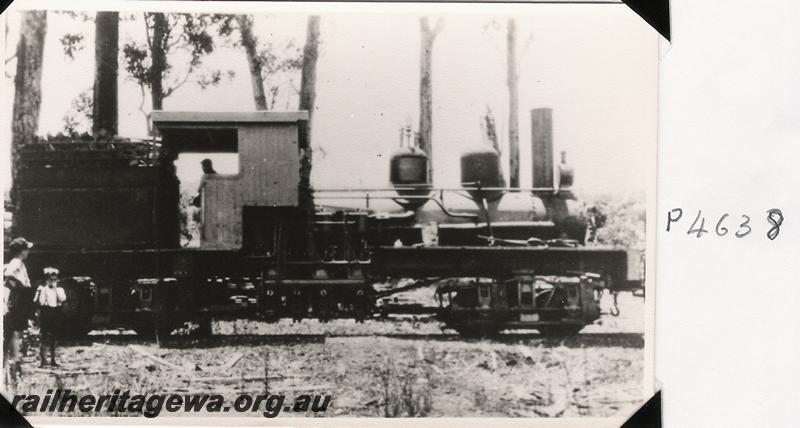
(49, 297)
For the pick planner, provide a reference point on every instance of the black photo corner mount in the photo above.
(10, 417)
(4, 4)
(648, 416)
(655, 13)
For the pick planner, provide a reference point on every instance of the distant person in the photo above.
(16, 304)
(49, 297)
(208, 168)
(596, 220)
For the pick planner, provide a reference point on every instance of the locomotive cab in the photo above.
(241, 210)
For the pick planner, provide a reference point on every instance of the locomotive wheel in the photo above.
(559, 330)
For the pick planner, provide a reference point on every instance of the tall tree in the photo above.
(106, 67)
(512, 81)
(27, 86)
(250, 45)
(428, 34)
(158, 45)
(273, 66)
(488, 124)
(165, 33)
(308, 93)
(490, 129)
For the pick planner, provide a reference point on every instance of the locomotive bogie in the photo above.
(484, 306)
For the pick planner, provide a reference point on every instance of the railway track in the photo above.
(624, 340)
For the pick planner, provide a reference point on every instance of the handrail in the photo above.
(436, 189)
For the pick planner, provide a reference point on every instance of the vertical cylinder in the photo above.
(542, 150)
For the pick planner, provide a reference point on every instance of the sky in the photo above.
(595, 66)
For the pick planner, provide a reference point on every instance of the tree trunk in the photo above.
(106, 66)
(491, 135)
(513, 105)
(249, 43)
(27, 89)
(491, 130)
(308, 93)
(158, 55)
(428, 35)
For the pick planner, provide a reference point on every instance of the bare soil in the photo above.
(377, 368)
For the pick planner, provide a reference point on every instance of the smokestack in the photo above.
(542, 150)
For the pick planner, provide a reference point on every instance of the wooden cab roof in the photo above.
(197, 119)
(190, 131)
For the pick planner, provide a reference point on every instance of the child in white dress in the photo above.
(49, 298)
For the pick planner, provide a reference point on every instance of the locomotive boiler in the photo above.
(107, 214)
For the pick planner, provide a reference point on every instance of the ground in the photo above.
(377, 368)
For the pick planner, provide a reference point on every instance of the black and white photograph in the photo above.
(330, 210)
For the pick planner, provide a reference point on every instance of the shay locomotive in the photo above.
(107, 214)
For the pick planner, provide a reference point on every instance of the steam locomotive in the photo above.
(107, 214)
